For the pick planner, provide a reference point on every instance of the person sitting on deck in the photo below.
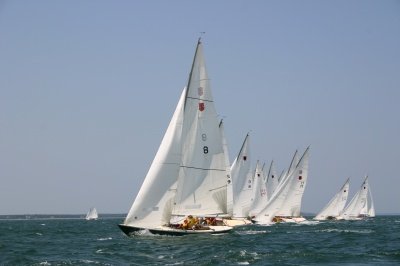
(211, 221)
(192, 222)
(185, 224)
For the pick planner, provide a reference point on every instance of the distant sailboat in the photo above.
(92, 214)
(358, 206)
(242, 181)
(336, 205)
(371, 207)
(188, 175)
(240, 187)
(259, 192)
(285, 203)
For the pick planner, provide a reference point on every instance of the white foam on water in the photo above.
(252, 232)
(44, 263)
(103, 239)
(365, 231)
(309, 222)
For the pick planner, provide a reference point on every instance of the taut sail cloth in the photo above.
(242, 181)
(202, 178)
(188, 175)
(298, 181)
(286, 200)
(153, 204)
(358, 203)
(371, 207)
(272, 181)
(334, 208)
(259, 191)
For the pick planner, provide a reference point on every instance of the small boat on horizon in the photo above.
(92, 214)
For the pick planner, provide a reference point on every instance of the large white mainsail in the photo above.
(358, 203)
(229, 185)
(189, 173)
(286, 200)
(242, 181)
(299, 175)
(202, 178)
(336, 205)
(153, 204)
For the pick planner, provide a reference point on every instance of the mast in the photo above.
(191, 70)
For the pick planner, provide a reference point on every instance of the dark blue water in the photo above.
(80, 242)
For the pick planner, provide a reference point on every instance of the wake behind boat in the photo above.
(188, 175)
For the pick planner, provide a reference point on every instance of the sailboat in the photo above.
(357, 209)
(259, 191)
(333, 210)
(285, 203)
(92, 214)
(188, 175)
(371, 207)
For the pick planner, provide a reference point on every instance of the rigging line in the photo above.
(197, 168)
(191, 70)
(217, 188)
(195, 98)
(170, 163)
(243, 144)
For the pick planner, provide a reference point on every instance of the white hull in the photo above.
(166, 230)
(236, 222)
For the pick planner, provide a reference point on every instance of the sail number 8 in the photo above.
(205, 149)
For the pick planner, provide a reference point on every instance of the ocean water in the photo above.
(80, 242)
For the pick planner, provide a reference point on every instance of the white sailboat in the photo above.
(188, 175)
(242, 181)
(92, 214)
(358, 206)
(298, 174)
(259, 191)
(285, 203)
(333, 210)
(371, 207)
(240, 187)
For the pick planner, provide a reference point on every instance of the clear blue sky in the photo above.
(87, 89)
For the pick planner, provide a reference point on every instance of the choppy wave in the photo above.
(362, 231)
(252, 232)
(104, 239)
(76, 242)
